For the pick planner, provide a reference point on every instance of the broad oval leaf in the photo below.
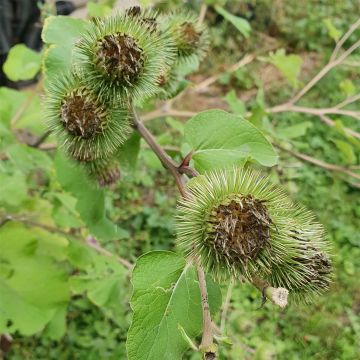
(58, 55)
(166, 303)
(22, 63)
(221, 139)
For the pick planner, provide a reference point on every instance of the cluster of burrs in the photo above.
(234, 221)
(119, 61)
(240, 225)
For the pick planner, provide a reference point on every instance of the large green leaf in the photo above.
(56, 327)
(22, 63)
(11, 100)
(34, 287)
(166, 302)
(221, 139)
(64, 210)
(57, 60)
(17, 314)
(60, 34)
(62, 30)
(32, 118)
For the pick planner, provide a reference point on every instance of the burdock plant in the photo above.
(88, 126)
(240, 225)
(123, 55)
(191, 43)
(146, 18)
(190, 37)
(233, 223)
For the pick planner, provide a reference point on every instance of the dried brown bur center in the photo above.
(241, 228)
(81, 115)
(189, 36)
(120, 57)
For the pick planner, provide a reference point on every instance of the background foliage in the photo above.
(72, 301)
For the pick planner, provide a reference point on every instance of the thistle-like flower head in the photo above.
(87, 126)
(124, 54)
(170, 83)
(239, 224)
(191, 38)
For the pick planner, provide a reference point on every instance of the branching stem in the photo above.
(207, 343)
(322, 164)
(165, 159)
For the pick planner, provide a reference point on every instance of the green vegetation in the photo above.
(66, 244)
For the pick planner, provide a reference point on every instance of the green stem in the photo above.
(165, 159)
